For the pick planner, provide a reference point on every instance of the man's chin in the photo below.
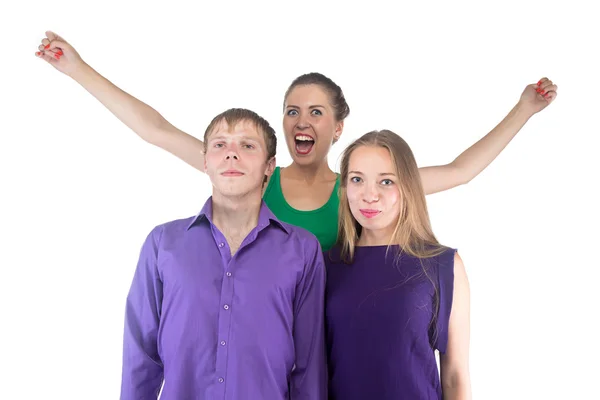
(236, 191)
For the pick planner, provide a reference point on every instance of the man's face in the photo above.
(236, 159)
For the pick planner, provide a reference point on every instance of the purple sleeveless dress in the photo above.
(380, 336)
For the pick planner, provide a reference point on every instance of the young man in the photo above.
(228, 304)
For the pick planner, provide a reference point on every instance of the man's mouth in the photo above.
(232, 172)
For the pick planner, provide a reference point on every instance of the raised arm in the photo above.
(454, 363)
(145, 121)
(476, 158)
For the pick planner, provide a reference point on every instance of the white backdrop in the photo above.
(80, 191)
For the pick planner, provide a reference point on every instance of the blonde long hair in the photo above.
(413, 233)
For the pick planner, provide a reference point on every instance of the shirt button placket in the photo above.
(225, 315)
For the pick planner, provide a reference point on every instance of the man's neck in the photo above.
(237, 215)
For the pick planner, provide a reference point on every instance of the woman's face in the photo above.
(309, 124)
(372, 190)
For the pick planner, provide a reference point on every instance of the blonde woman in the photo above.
(394, 294)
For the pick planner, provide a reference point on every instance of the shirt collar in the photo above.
(265, 216)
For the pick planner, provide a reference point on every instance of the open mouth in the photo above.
(304, 143)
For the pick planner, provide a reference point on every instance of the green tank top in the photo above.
(322, 222)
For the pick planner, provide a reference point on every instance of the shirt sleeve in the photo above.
(142, 372)
(309, 378)
(445, 275)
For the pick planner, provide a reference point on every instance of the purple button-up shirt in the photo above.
(212, 326)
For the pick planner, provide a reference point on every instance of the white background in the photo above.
(80, 191)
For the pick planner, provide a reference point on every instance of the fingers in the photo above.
(550, 96)
(546, 84)
(53, 41)
(49, 54)
(550, 88)
(55, 53)
(46, 57)
(52, 48)
(51, 35)
(56, 46)
(43, 48)
(547, 89)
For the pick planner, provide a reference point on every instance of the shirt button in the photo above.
(228, 274)
(222, 343)
(221, 380)
(226, 307)
(221, 245)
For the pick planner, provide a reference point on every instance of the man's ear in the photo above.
(271, 164)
